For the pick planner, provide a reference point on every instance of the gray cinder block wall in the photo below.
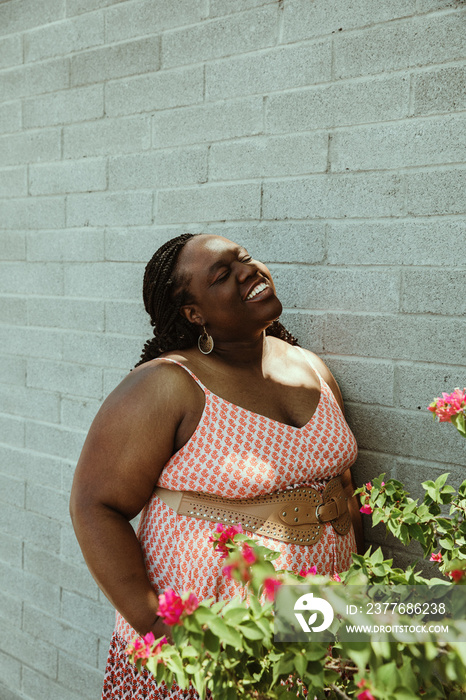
(327, 136)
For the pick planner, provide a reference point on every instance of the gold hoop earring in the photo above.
(205, 342)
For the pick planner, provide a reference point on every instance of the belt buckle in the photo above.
(317, 512)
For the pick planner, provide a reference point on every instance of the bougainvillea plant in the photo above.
(226, 649)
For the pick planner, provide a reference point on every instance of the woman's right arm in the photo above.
(129, 442)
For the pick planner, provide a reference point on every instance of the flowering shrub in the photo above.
(228, 648)
(451, 408)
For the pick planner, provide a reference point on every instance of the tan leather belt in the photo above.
(293, 516)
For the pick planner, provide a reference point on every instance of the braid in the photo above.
(172, 331)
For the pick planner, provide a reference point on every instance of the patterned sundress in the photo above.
(233, 453)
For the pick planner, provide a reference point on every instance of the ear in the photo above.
(192, 314)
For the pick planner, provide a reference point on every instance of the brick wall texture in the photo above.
(328, 137)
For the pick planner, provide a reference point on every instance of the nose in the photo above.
(244, 270)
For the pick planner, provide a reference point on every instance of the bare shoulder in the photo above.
(326, 374)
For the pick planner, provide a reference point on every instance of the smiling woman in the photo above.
(223, 406)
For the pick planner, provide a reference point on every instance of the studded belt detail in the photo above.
(295, 516)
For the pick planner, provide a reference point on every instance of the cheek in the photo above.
(265, 271)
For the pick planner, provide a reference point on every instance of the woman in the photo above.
(222, 402)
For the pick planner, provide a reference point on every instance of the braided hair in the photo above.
(165, 292)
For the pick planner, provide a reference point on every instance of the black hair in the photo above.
(164, 293)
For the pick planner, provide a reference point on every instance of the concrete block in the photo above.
(321, 107)
(302, 20)
(36, 685)
(423, 471)
(61, 38)
(268, 156)
(167, 168)
(423, 6)
(104, 280)
(213, 122)
(54, 440)
(13, 430)
(61, 635)
(33, 468)
(64, 106)
(10, 117)
(41, 277)
(79, 676)
(418, 384)
(78, 7)
(70, 550)
(20, 15)
(154, 91)
(402, 433)
(11, 51)
(101, 349)
(127, 317)
(115, 209)
(106, 137)
(22, 645)
(11, 552)
(32, 589)
(75, 245)
(66, 313)
(40, 343)
(433, 292)
(436, 192)
(48, 502)
(149, 17)
(225, 7)
(52, 568)
(10, 673)
(113, 377)
(128, 58)
(404, 337)
(10, 604)
(13, 245)
(12, 370)
(363, 381)
(439, 90)
(30, 147)
(136, 244)
(208, 203)
(268, 241)
(13, 182)
(13, 311)
(98, 618)
(372, 464)
(34, 79)
(308, 328)
(12, 490)
(280, 68)
(26, 213)
(323, 289)
(238, 33)
(78, 413)
(393, 146)
(418, 41)
(436, 242)
(67, 378)
(338, 196)
(30, 403)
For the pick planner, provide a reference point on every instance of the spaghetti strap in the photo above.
(176, 362)
(310, 362)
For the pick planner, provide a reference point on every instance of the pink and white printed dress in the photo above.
(233, 453)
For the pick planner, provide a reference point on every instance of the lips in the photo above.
(256, 289)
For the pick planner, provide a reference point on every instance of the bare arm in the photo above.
(130, 440)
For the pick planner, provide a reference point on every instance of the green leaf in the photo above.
(227, 634)
(251, 630)
(235, 615)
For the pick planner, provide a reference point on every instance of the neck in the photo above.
(243, 354)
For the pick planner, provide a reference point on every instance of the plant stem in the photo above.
(339, 692)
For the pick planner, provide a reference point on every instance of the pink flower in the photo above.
(191, 604)
(170, 607)
(366, 509)
(226, 571)
(369, 486)
(312, 571)
(436, 557)
(248, 554)
(448, 406)
(365, 695)
(149, 638)
(457, 574)
(224, 535)
(382, 484)
(270, 586)
(361, 683)
(336, 577)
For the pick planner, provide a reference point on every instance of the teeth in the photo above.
(257, 289)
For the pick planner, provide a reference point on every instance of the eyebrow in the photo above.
(222, 263)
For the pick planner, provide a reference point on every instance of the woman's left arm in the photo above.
(346, 478)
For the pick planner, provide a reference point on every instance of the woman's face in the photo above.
(233, 295)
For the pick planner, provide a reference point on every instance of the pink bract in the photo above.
(312, 571)
(366, 509)
(270, 586)
(190, 604)
(248, 554)
(436, 557)
(365, 695)
(170, 607)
